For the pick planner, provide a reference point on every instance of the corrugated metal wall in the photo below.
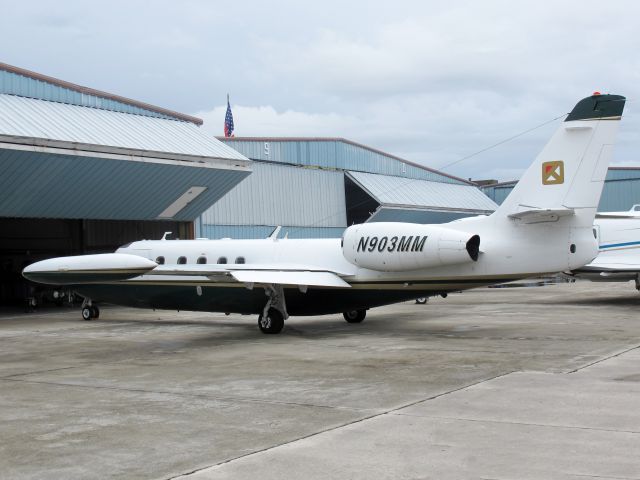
(263, 231)
(332, 154)
(282, 195)
(621, 190)
(498, 193)
(15, 84)
(415, 216)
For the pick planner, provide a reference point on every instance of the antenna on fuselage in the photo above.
(275, 233)
(164, 237)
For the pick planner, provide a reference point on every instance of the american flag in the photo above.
(228, 120)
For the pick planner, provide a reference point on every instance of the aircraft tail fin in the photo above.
(568, 175)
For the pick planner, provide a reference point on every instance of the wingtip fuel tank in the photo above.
(88, 269)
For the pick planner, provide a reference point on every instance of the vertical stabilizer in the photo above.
(568, 175)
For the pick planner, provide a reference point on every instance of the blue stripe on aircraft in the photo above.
(625, 244)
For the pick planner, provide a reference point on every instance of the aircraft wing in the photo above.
(316, 279)
(283, 274)
(114, 267)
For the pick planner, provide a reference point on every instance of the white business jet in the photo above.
(618, 258)
(544, 226)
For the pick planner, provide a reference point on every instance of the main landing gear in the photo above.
(271, 320)
(89, 310)
(355, 316)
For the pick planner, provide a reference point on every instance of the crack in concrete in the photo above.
(506, 422)
(190, 395)
(604, 359)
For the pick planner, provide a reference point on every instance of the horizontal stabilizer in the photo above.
(534, 215)
(316, 279)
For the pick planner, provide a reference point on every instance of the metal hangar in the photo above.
(316, 187)
(85, 171)
(621, 190)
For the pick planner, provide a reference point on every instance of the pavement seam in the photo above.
(544, 425)
(604, 359)
(337, 427)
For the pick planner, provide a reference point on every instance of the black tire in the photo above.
(273, 323)
(87, 314)
(95, 311)
(421, 300)
(354, 316)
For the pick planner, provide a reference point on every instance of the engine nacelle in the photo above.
(396, 247)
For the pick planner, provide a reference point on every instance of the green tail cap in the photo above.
(597, 106)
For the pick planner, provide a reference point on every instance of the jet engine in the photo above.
(396, 247)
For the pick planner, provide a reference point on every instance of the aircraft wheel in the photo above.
(95, 311)
(421, 300)
(272, 323)
(87, 314)
(354, 316)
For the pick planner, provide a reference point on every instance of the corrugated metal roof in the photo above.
(334, 153)
(29, 118)
(18, 81)
(51, 185)
(399, 191)
(283, 195)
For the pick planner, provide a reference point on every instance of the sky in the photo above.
(434, 82)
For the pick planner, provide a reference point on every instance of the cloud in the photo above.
(430, 81)
(265, 121)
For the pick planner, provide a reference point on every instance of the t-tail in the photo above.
(566, 179)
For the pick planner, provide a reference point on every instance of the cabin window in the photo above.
(160, 260)
(202, 260)
(240, 260)
(182, 260)
(222, 260)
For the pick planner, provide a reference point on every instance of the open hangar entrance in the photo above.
(25, 240)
